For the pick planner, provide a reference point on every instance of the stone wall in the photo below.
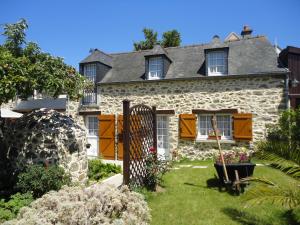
(47, 136)
(263, 96)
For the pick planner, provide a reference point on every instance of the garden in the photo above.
(192, 193)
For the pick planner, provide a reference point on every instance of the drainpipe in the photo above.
(287, 98)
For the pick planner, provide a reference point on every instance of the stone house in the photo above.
(240, 80)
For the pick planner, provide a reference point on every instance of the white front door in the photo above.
(163, 137)
(91, 123)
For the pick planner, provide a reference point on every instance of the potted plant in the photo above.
(239, 160)
(213, 136)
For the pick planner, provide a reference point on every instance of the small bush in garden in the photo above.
(155, 169)
(9, 209)
(99, 170)
(39, 179)
(95, 205)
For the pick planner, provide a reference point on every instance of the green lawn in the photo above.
(189, 200)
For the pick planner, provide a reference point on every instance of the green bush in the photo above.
(99, 170)
(283, 138)
(9, 209)
(40, 180)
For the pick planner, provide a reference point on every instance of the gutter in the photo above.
(201, 77)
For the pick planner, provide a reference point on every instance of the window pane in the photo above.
(92, 125)
(223, 124)
(155, 67)
(217, 63)
(162, 132)
(90, 72)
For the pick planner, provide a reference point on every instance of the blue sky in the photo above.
(70, 28)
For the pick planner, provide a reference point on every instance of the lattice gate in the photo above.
(139, 137)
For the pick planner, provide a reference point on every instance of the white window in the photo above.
(89, 70)
(92, 125)
(216, 63)
(163, 135)
(223, 124)
(155, 68)
(89, 98)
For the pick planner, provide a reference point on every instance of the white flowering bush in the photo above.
(95, 205)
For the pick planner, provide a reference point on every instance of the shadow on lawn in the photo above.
(246, 218)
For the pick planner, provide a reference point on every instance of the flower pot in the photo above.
(214, 137)
(244, 170)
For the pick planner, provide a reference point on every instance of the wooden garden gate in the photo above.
(139, 138)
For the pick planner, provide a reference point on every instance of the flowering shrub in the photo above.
(240, 156)
(95, 205)
(156, 167)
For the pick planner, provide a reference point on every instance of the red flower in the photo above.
(152, 150)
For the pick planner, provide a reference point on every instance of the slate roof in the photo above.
(247, 56)
(29, 105)
(157, 50)
(98, 56)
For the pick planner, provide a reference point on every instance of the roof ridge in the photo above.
(102, 52)
(182, 46)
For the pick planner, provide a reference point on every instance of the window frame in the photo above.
(205, 137)
(167, 135)
(209, 58)
(87, 68)
(157, 76)
(87, 125)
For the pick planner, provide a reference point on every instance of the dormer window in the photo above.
(216, 63)
(89, 70)
(155, 68)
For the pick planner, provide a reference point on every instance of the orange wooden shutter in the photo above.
(120, 137)
(187, 126)
(242, 126)
(107, 136)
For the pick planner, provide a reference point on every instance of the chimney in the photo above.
(246, 32)
(215, 39)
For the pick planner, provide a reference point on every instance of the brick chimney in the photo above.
(246, 32)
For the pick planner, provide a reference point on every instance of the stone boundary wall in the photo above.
(263, 96)
(47, 136)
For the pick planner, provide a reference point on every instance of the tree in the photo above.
(150, 40)
(25, 68)
(170, 39)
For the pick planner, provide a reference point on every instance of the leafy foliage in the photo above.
(150, 40)
(99, 170)
(40, 180)
(9, 209)
(170, 39)
(25, 68)
(282, 147)
(288, 197)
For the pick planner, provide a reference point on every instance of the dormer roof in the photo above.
(157, 50)
(98, 56)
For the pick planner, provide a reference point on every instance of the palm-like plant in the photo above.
(288, 197)
(282, 150)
